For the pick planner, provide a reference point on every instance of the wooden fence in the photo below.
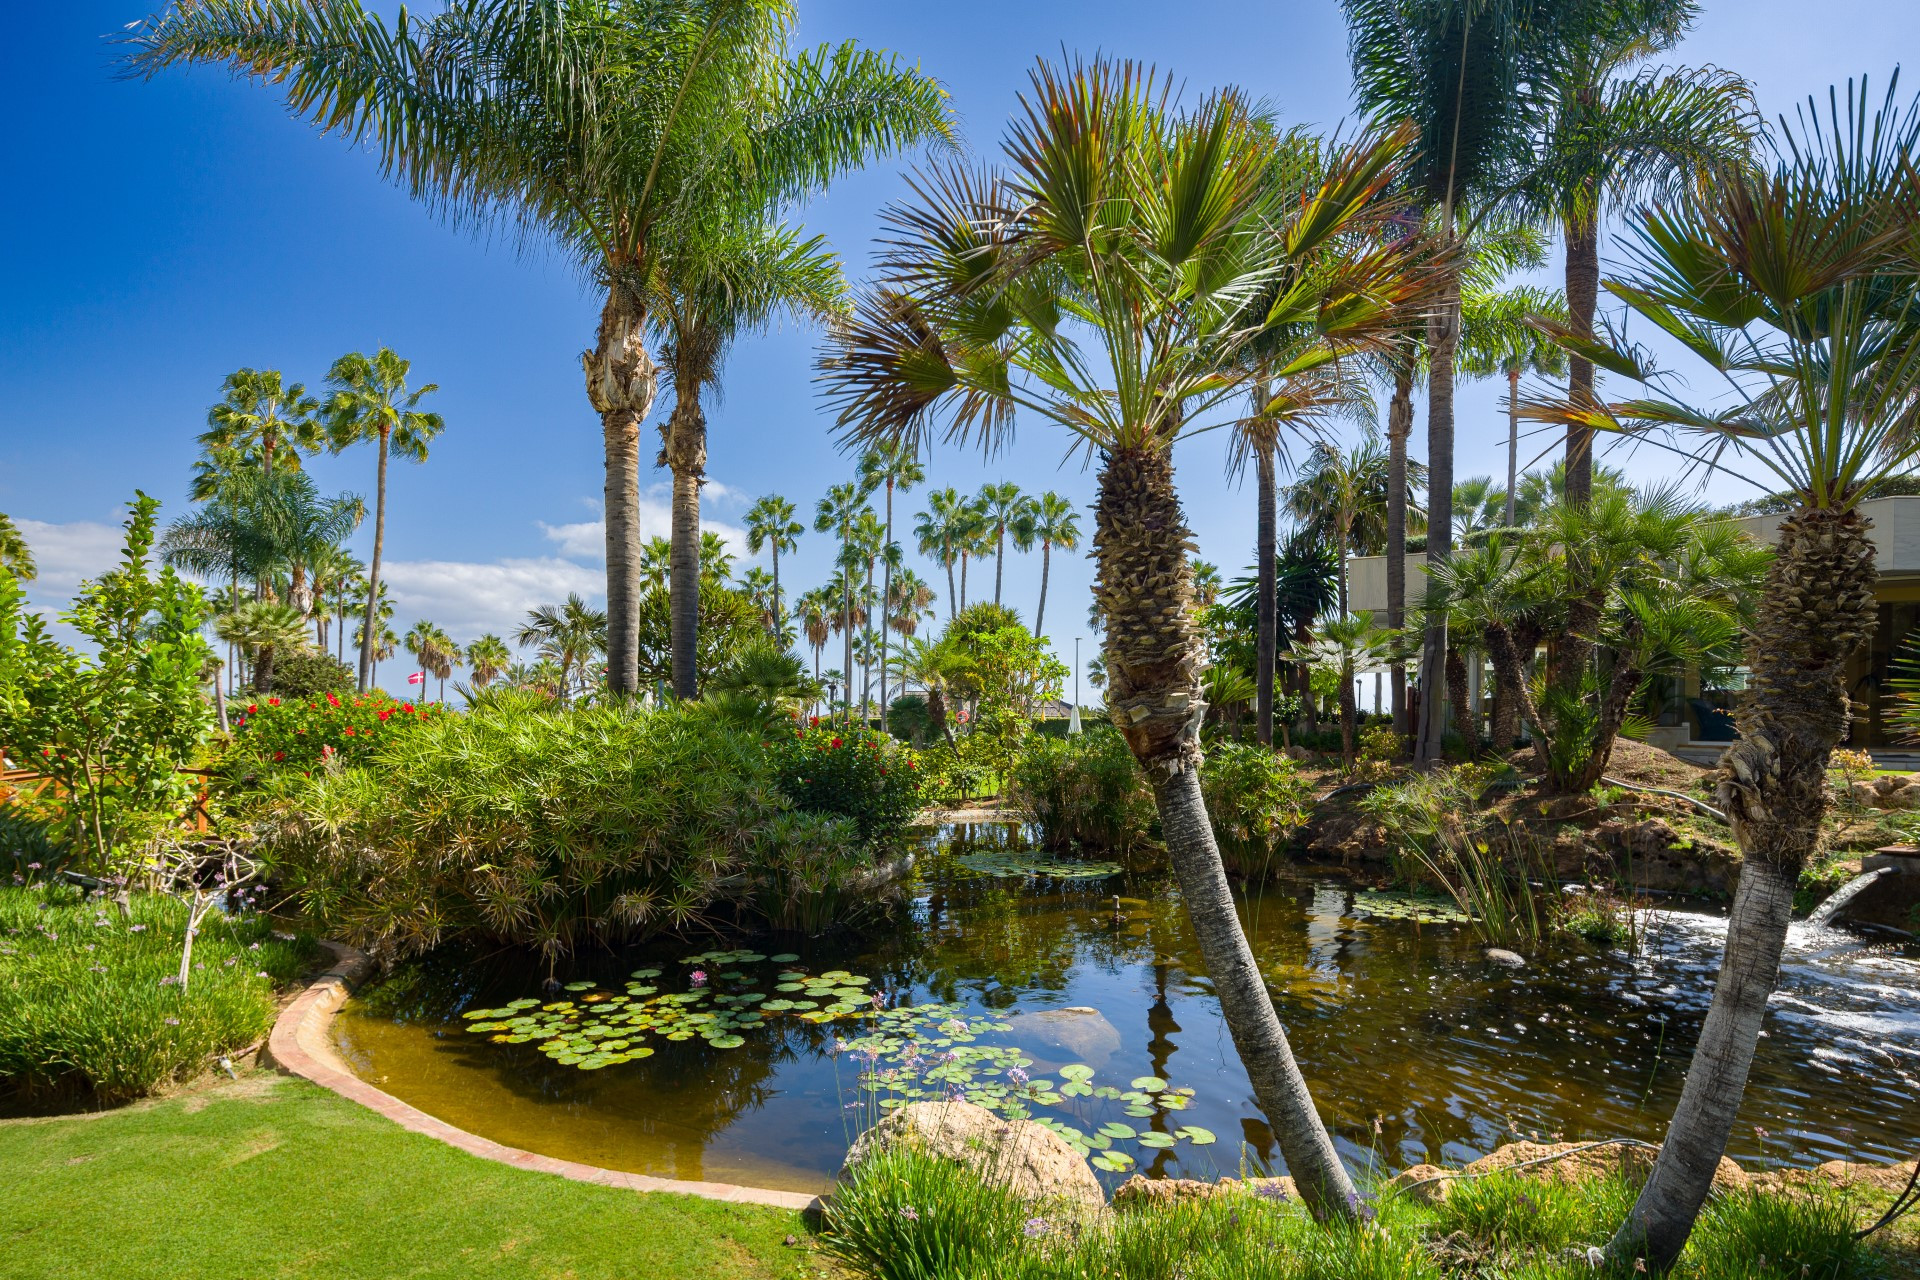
(29, 785)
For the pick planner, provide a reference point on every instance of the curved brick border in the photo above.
(299, 1045)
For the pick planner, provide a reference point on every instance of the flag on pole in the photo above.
(418, 677)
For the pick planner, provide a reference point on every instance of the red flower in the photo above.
(385, 714)
(273, 702)
(279, 755)
(348, 731)
(814, 722)
(333, 700)
(252, 707)
(836, 743)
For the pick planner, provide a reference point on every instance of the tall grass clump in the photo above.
(904, 1215)
(90, 1001)
(1798, 1235)
(556, 830)
(1085, 790)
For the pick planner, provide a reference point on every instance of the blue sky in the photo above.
(162, 234)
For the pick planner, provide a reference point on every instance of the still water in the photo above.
(1416, 1047)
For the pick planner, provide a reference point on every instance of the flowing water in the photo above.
(1417, 1048)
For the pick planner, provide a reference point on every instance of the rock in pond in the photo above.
(1033, 1162)
(1082, 1033)
(1506, 959)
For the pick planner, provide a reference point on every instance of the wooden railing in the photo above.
(27, 784)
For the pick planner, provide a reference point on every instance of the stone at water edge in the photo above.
(1506, 959)
(1140, 1192)
(1426, 1192)
(1032, 1161)
(1632, 1163)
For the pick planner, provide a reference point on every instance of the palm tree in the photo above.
(839, 514)
(870, 539)
(1463, 75)
(1615, 139)
(716, 562)
(1156, 267)
(1800, 288)
(770, 524)
(909, 603)
(933, 665)
(261, 424)
(434, 650)
(1051, 521)
(757, 585)
(263, 525)
(1478, 505)
(568, 637)
(1497, 336)
(656, 564)
(631, 136)
(372, 402)
(384, 644)
(488, 658)
(15, 554)
(1341, 495)
(888, 468)
(939, 533)
(815, 611)
(333, 569)
(1001, 505)
(262, 629)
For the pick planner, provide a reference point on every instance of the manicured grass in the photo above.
(270, 1177)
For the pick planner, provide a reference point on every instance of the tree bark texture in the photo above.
(1399, 427)
(1443, 337)
(1144, 589)
(622, 381)
(1583, 290)
(368, 638)
(1266, 640)
(1465, 723)
(1817, 608)
(683, 440)
(1513, 442)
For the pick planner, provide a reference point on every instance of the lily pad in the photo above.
(1196, 1135)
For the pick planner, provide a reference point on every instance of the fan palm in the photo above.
(15, 554)
(1478, 505)
(941, 533)
(262, 629)
(371, 402)
(757, 586)
(839, 514)
(1497, 336)
(434, 650)
(569, 637)
(621, 132)
(1002, 505)
(1799, 287)
(261, 423)
(716, 562)
(1346, 643)
(770, 525)
(656, 564)
(1051, 521)
(1617, 139)
(333, 568)
(909, 603)
(888, 468)
(489, 659)
(815, 611)
(1151, 226)
(933, 665)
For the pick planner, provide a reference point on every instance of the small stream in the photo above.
(1416, 1047)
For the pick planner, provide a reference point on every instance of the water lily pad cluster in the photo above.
(926, 1052)
(723, 1003)
(1025, 863)
(1420, 908)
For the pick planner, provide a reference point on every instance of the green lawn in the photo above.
(271, 1177)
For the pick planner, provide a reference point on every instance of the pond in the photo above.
(1016, 979)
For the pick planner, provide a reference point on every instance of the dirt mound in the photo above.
(1652, 767)
(1631, 1162)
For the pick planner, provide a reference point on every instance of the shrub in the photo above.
(902, 1215)
(308, 673)
(554, 830)
(28, 842)
(88, 998)
(856, 773)
(1084, 790)
(279, 735)
(1256, 799)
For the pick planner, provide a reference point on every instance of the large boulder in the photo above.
(1633, 1163)
(1032, 1161)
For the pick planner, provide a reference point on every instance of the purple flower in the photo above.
(169, 980)
(136, 928)
(1018, 1076)
(907, 1212)
(173, 1022)
(1270, 1190)
(1035, 1228)
(33, 866)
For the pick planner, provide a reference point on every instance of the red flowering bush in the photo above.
(271, 735)
(850, 772)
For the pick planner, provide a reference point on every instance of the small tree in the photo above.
(111, 730)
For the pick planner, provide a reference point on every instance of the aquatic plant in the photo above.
(1084, 790)
(1015, 863)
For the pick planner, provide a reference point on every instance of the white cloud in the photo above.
(67, 554)
(587, 539)
(468, 599)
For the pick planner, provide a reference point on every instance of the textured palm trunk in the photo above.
(263, 671)
(1399, 427)
(684, 450)
(1816, 609)
(963, 580)
(779, 614)
(886, 609)
(953, 597)
(373, 569)
(1349, 714)
(1463, 717)
(622, 381)
(999, 562)
(1513, 441)
(1443, 337)
(1266, 641)
(1583, 290)
(1144, 589)
(1046, 570)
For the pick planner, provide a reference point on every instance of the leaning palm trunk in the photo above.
(1266, 640)
(1816, 609)
(1046, 571)
(622, 380)
(1144, 589)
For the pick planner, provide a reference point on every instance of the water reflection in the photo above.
(1417, 1049)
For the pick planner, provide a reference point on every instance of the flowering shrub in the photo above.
(850, 772)
(271, 735)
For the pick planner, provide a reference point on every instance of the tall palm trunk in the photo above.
(963, 580)
(1583, 290)
(846, 668)
(1465, 723)
(886, 609)
(999, 563)
(778, 615)
(1443, 337)
(1513, 441)
(1399, 427)
(1046, 568)
(263, 671)
(1816, 609)
(1144, 589)
(1266, 640)
(622, 381)
(1349, 718)
(953, 597)
(373, 568)
(684, 450)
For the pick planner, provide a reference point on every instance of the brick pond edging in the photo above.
(299, 1045)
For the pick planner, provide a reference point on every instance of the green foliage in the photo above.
(1085, 790)
(299, 735)
(1004, 671)
(28, 842)
(729, 625)
(308, 673)
(764, 687)
(855, 773)
(555, 830)
(1513, 1212)
(1256, 799)
(88, 997)
(112, 728)
(902, 1215)
(909, 718)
